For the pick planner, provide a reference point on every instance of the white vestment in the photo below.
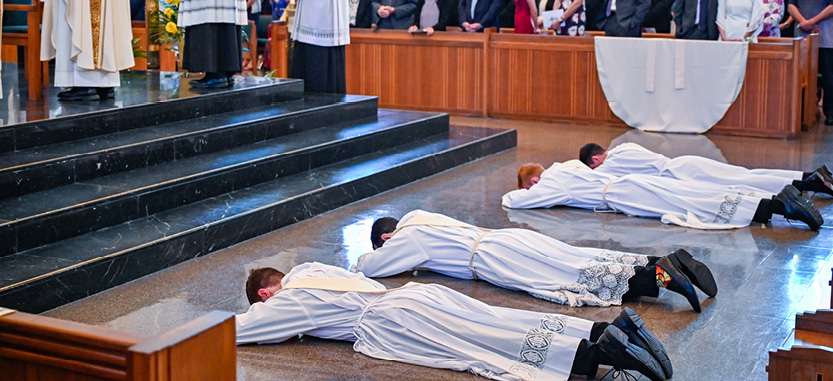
(691, 204)
(516, 259)
(630, 158)
(85, 55)
(322, 23)
(422, 324)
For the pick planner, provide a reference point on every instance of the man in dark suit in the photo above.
(696, 19)
(623, 18)
(394, 14)
(659, 17)
(363, 17)
(475, 15)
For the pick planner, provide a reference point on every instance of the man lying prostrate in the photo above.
(434, 326)
(630, 158)
(520, 259)
(692, 204)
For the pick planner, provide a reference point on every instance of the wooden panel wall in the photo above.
(444, 72)
(554, 78)
(546, 79)
(769, 102)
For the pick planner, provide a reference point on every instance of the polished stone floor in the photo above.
(766, 273)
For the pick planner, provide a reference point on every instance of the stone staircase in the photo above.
(97, 199)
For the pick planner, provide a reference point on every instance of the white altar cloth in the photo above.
(670, 85)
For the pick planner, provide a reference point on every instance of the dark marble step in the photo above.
(46, 167)
(145, 99)
(46, 277)
(52, 215)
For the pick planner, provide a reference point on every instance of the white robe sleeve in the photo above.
(273, 321)
(545, 194)
(399, 254)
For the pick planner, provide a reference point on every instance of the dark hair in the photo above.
(382, 226)
(261, 278)
(589, 150)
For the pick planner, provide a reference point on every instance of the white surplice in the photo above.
(516, 259)
(630, 158)
(691, 204)
(422, 324)
(67, 36)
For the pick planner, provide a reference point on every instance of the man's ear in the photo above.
(534, 180)
(595, 161)
(263, 294)
(386, 236)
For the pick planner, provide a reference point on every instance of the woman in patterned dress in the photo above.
(572, 22)
(775, 13)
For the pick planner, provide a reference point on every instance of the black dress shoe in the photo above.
(86, 93)
(620, 353)
(819, 184)
(214, 83)
(631, 324)
(798, 207)
(828, 121)
(697, 272)
(679, 283)
(825, 173)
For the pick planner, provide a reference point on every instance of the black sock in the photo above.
(643, 283)
(597, 330)
(764, 211)
(805, 175)
(586, 362)
(652, 260)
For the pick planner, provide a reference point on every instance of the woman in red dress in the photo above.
(526, 17)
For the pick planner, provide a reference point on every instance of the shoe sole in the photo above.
(649, 366)
(696, 271)
(828, 187)
(693, 300)
(825, 173)
(632, 323)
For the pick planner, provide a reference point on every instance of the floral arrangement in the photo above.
(163, 26)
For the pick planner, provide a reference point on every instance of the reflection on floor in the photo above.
(766, 273)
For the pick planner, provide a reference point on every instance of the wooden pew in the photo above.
(34, 347)
(554, 78)
(811, 355)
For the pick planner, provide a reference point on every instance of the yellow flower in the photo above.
(170, 28)
(169, 12)
(174, 2)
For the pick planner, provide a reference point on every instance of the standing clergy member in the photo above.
(90, 41)
(213, 42)
(691, 204)
(628, 158)
(520, 259)
(321, 30)
(434, 326)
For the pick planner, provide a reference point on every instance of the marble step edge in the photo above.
(66, 222)
(79, 126)
(206, 130)
(53, 290)
(28, 178)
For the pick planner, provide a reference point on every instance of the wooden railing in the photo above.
(554, 78)
(34, 347)
(811, 356)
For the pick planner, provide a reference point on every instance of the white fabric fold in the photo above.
(694, 83)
